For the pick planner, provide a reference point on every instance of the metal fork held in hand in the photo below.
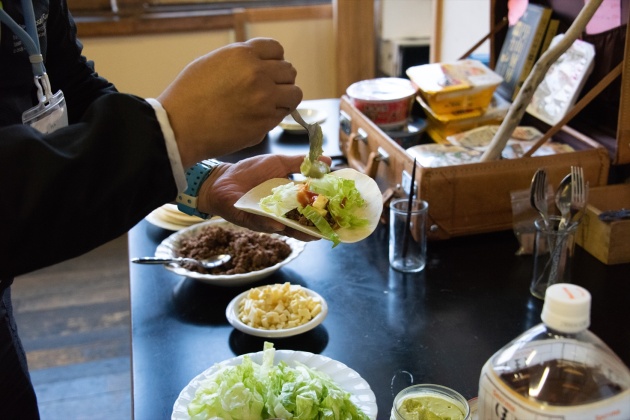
(311, 129)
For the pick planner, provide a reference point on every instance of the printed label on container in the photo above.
(498, 402)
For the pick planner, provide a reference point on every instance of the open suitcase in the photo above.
(476, 197)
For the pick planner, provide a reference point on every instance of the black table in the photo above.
(440, 325)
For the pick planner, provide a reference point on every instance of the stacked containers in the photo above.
(458, 96)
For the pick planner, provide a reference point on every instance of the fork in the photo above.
(538, 194)
(579, 194)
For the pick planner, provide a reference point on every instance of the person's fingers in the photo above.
(282, 72)
(288, 97)
(267, 48)
(268, 225)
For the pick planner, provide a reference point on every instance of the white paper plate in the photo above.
(310, 116)
(367, 187)
(170, 218)
(341, 374)
(231, 313)
(169, 246)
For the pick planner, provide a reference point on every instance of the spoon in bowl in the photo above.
(207, 263)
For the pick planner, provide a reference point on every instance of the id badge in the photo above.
(50, 114)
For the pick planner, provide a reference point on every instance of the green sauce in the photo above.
(429, 408)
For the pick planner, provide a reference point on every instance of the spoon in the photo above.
(538, 194)
(563, 201)
(207, 263)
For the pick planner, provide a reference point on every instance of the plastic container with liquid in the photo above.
(557, 369)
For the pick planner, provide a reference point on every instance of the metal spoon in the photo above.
(563, 201)
(538, 194)
(207, 263)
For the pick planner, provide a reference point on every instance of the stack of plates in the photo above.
(169, 217)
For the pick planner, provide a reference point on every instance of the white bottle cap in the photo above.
(567, 308)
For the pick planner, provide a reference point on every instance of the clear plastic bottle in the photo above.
(557, 369)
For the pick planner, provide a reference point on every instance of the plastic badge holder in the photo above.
(51, 113)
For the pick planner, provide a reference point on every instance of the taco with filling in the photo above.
(343, 206)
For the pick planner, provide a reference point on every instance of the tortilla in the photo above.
(367, 187)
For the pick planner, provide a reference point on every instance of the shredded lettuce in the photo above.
(283, 199)
(250, 391)
(344, 201)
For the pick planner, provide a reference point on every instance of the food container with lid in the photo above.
(386, 100)
(440, 126)
(454, 87)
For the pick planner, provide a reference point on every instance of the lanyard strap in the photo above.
(30, 38)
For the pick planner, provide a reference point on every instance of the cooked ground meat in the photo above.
(250, 251)
(295, 215)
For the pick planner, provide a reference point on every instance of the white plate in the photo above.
(367, 187)
(310, 116)
(341, 374)
(169, 246)
(231, 313)
(170, 218)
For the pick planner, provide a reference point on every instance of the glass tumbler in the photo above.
(553, 254)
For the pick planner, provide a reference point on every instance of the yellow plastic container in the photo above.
(464, 85)
(440, 126)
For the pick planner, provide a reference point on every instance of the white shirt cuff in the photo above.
(171, 145)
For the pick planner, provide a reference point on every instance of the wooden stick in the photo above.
(409, 209)
(522, 100)
(497, 28)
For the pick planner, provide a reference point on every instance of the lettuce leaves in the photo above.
(250, 391)
(344, 201)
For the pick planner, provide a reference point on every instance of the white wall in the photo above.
(145, 64)
(406, 19)
(464, 23)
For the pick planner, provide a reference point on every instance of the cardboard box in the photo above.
(609, 242)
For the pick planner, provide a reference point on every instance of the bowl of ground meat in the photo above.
(255, 255)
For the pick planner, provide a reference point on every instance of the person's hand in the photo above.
(229, 182)
(230, 98)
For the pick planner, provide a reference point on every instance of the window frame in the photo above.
(135, 17)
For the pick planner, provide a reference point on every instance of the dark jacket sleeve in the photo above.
(70, 191)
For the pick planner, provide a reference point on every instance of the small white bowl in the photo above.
(231, 312)
(310, 116)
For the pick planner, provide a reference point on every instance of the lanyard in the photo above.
(30, 39)
(51, 113)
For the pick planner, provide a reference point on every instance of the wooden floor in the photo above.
(74, 321)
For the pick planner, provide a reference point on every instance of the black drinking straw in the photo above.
(409, 206)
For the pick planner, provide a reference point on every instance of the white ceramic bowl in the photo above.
(169, 248)
(231, 313)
